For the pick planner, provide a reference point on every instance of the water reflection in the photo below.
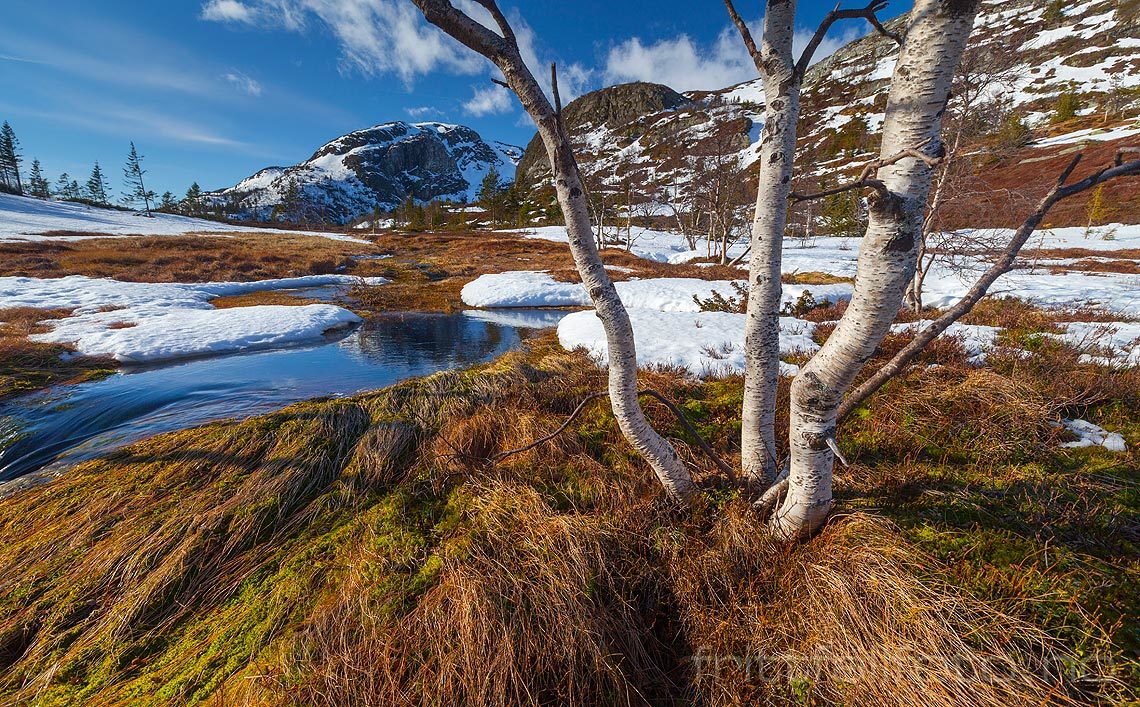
(59, 427)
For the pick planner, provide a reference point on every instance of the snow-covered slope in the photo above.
(23, 218)
(1090, 49)
(380, 166)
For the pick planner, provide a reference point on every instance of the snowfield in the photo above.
(26, 219)
(137, 322)
(707, 344)
(665, 294)
(670, 332)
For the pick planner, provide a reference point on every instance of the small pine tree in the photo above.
(133, 179)
(168, 202)
(10, 159)
(1013, 133)
(1068, 104)
(192, 204)
(37, 184)
(491, 194)
(97, 187)
(67, 188)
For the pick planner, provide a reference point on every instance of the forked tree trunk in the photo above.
(762, 321)
(935, 38)
(503, 51)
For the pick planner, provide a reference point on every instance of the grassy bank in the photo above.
(365, 551)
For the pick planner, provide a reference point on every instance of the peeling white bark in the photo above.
(503, 51)
(935, 39)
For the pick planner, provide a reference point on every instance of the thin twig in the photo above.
(705, 447)
(865, 179)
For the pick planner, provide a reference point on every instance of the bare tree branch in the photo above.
(503, 51)
(1004, 264)
(746, 35)
(865, 177)
(869, 13)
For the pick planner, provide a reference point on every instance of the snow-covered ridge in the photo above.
(382, 165)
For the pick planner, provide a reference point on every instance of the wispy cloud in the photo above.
(21, 59)
(243, 83)
(492, 100)
(421, 111)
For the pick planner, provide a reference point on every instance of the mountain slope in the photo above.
(380, 166)
(1088, 50)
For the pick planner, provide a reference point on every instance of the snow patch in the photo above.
(707, 344)
(1090, 435)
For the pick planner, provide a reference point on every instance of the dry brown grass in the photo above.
(187, 258)
(27, 365)
(365, 552)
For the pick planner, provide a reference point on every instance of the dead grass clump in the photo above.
(853, 618)
(528, 606)
(979, 415)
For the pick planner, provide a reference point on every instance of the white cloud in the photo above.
(681, 63)
(243, 82)
(376, 36)
(492, 100)
(227, 11)
(421, 111)
(685, 65)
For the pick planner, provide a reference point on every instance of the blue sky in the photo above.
(213, 90)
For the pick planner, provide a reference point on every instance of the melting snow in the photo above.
(137, 322)
(1089, 435)
(704, 343)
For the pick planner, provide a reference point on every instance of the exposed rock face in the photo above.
(613, 107)
(380, 166)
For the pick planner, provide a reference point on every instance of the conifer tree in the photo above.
(10, 158)
(192, 204)
(97, 187)
(37, 184)
(168, 203)
(63, 186)
(133, 178)
(491, 195)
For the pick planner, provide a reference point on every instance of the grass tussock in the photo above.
(366, 552)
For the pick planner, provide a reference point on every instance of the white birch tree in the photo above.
(502, 49)
(935, 39)
(782, 75)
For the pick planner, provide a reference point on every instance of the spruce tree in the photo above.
(37, 184)
(192, 204)
(168, 203)
(62, 185)
(10, 158)
(491, 194)
(97, 187)
(133, 179)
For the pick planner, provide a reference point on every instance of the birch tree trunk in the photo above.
(762, 318)
(935, 39)
(503, 51)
